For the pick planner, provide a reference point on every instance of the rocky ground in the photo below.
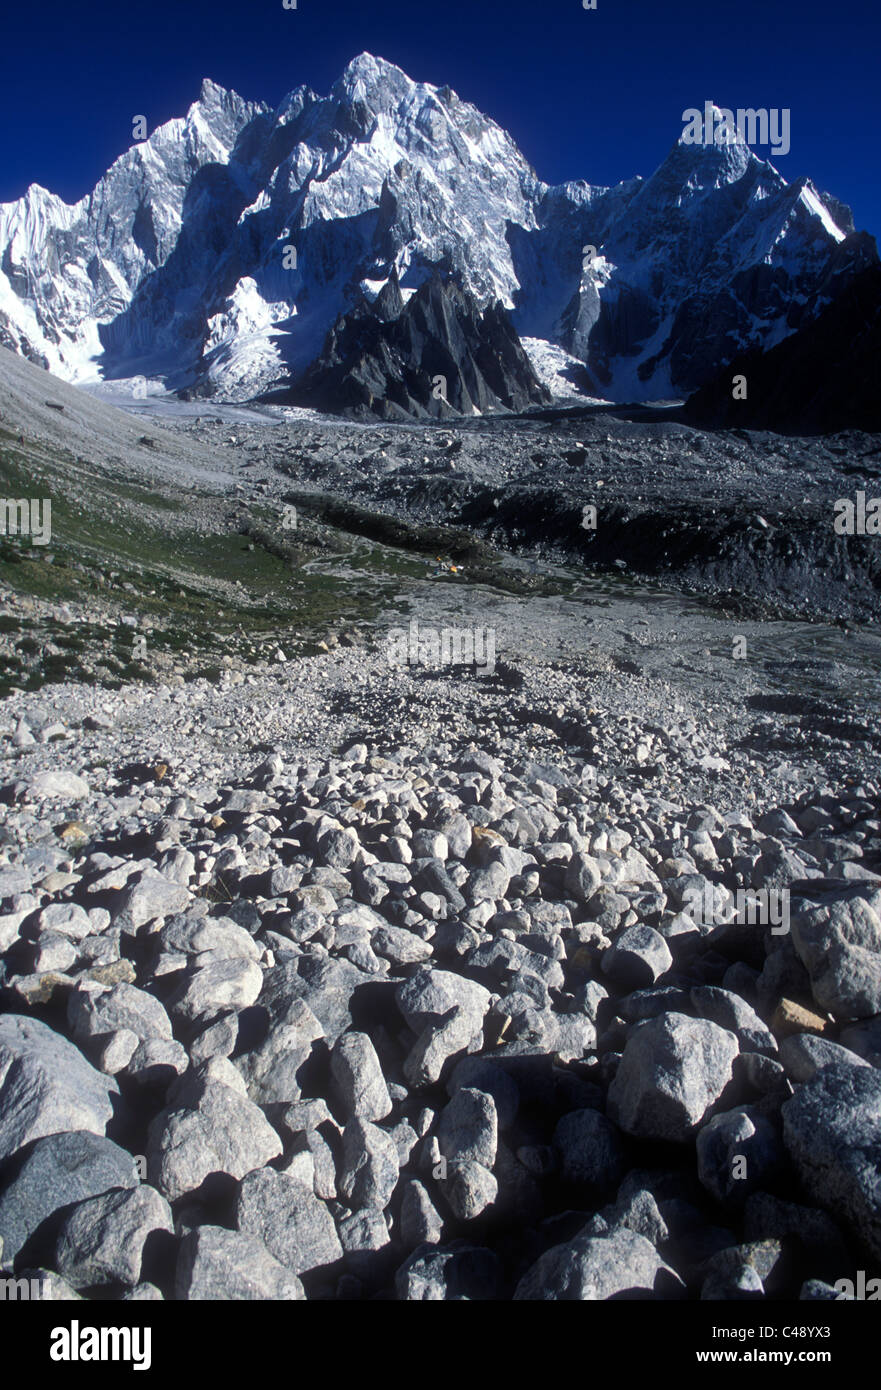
(741, 515)
(325, 976)
(435, 1018)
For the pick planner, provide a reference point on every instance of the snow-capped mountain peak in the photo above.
(218, 253)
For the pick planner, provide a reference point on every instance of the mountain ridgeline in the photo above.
(243, 252)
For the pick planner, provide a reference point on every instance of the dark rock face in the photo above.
(823, 378)
(384, 359)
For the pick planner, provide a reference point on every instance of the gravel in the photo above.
(356, 1018)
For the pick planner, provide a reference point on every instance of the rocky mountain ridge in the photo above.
(218, 254)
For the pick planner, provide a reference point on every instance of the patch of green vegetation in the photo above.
(201, 594)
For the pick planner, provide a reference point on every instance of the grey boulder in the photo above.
(638, 957)
(839, 944)
(583, 876)
(216, 1264)
(216, 1131)
(672, 1072)
(58, 783)
(152, 896)
(469, 1188)
(589, 1150)
(369, 1171)
(594, 1268)
(271, 1069)
(468, 1127)
(225, 983)
(484, 1076)
(325, 984)
(738, 1152)
(440, 1040)
(58, 1171)
(102, 1240)
(363, 1235)
(804, 1054)
(93, 1010)
(359, 1080)
(727, 1009)
(430, 995)
(289, 1219)
(46, 1086)
(449, 1274)
(420, 1223)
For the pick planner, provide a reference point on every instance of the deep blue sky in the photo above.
(586, 94)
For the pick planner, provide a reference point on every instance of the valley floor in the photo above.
(339, 974)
